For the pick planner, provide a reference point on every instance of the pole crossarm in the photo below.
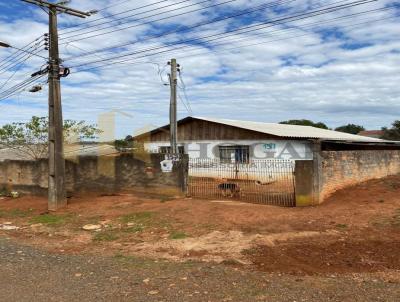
(59, 8)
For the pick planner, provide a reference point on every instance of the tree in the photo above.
(305, 123)
(124, 144)
(392, 133)
(350, 128)
(31, 138)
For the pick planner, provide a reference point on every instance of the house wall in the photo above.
(199, 130)
(340, 169)
(97, 175)
(259, 149)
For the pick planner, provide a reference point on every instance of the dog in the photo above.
(229, 188)
(260, 183)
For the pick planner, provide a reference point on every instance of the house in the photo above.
(239, 141)
(372, 133)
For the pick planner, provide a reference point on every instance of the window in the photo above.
(167, 149)
(234, 154)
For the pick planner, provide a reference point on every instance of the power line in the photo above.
(17, 62)
(14, 73)
(13, 58)
(115, 4)
(184, 104)
(183, 88)
(249, 28)
(128, 17)
(144, 23)
(112, 15)
(216, 51)
(266, 24)
(10, 57)
(19, 87)
(174, 31)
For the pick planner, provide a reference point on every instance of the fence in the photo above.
(255, 181)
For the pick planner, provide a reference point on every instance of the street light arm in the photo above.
(2, 44)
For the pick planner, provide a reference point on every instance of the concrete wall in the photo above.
(304, 181)
(101, 175)
(340, 169)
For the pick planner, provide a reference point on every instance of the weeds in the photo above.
(50, 219)
(165, 199)
(105, 236)
(139, 218)
(178, 235)
(134, 229)
(15, 213)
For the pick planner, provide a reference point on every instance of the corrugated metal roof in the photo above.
(292, 131)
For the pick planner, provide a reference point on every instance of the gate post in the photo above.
(304, 193)
(308, 178)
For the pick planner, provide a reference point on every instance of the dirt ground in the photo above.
(357, 230)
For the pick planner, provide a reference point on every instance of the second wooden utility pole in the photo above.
(173, 127)
(56, 192)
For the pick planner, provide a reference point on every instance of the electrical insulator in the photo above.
(35, 88)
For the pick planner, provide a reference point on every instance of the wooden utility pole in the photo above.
(173, 127)
(57, 193)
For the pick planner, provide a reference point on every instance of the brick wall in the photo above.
(340, 169)
(99, 175)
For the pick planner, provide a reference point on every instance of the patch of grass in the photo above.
(391, 221)
(3, 192)
(50, 219)
(164, 199)
(342, 226)
(105, 236)
(15, 213)
(381, 222)
(178, 235)
(139, 217)
(134, 229)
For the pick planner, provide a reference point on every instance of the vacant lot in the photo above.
(355, 234)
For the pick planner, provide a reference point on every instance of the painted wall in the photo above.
(259, 149)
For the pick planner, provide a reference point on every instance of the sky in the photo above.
(239, 59)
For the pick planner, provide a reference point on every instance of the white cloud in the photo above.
(281, 75)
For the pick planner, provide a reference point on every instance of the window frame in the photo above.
(241, 153)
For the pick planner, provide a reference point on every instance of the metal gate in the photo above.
(255, 181)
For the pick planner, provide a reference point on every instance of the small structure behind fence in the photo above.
(256, 181)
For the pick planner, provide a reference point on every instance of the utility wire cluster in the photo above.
(216, 39)
(159, 11)
(16, 61)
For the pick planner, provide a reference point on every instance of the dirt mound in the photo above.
(321, 257)
(217, 246)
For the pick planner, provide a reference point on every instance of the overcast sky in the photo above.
(338, 68)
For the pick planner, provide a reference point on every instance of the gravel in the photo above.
(30, 274)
